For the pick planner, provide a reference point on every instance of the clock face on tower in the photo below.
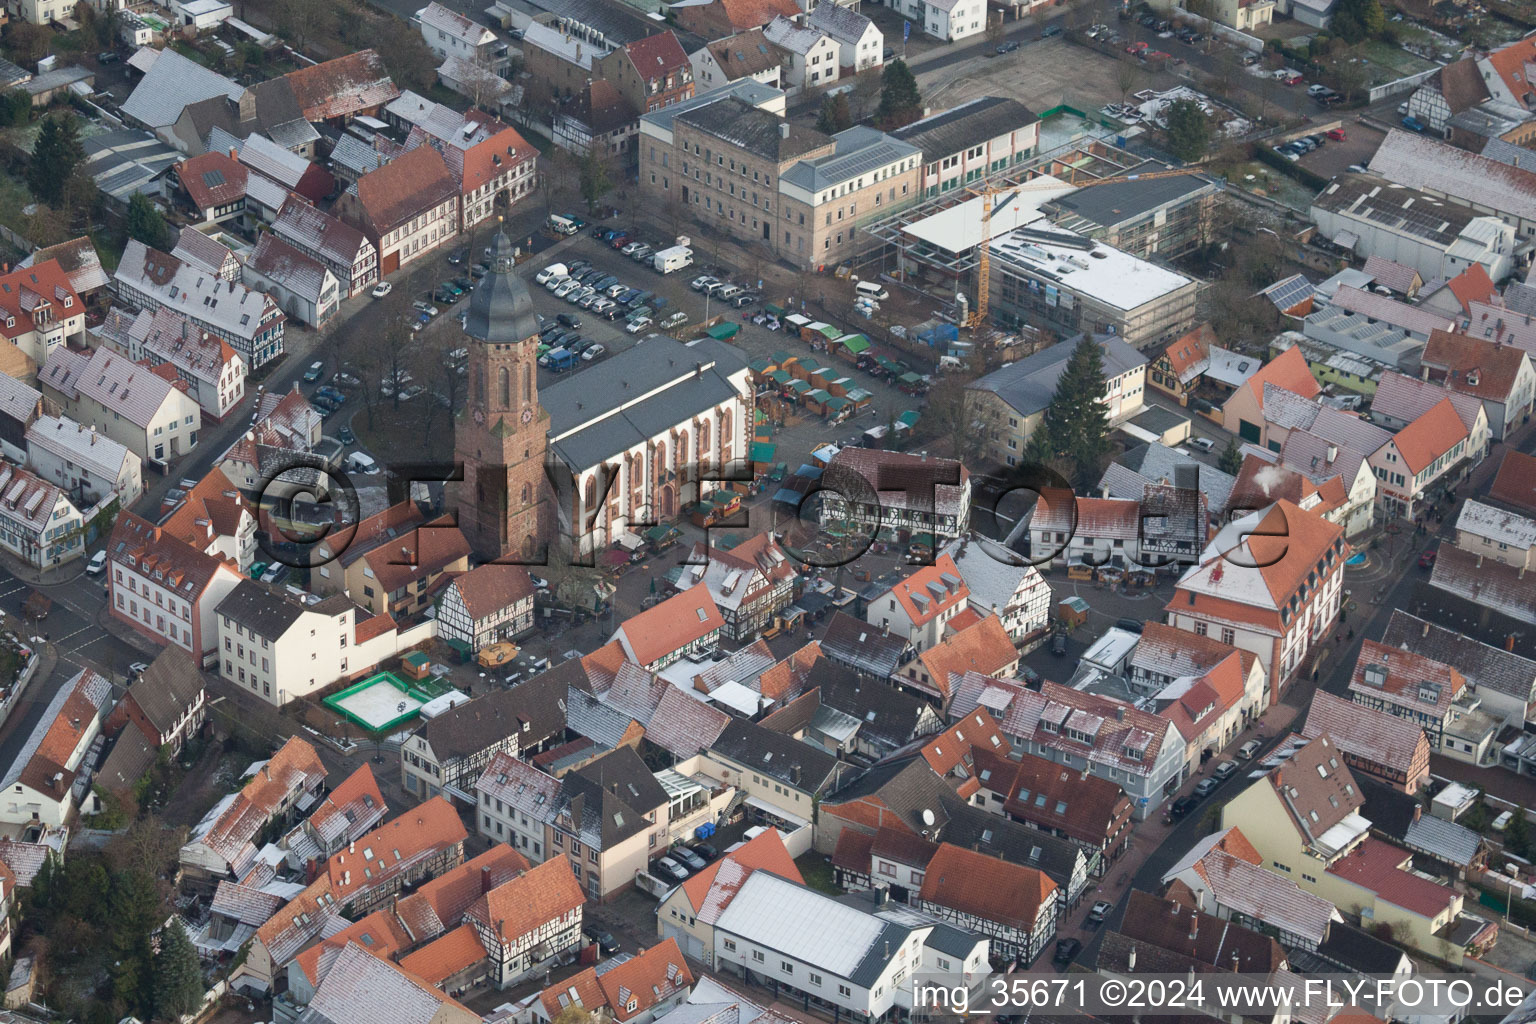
(528, 415)
(479, 415)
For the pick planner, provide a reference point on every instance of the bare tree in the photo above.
(479, 82)
(994, 28)
(1127, 77)
(302, 20)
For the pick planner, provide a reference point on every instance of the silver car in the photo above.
(672, 869)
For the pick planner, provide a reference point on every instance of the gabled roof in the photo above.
(394, 847)
(490, 589)
(360, 986)
(952, 752)
(212, 180)
(984, 647)
(1484, 667)
(684, 726)
(406, 187)
(1418, 162)
(745, 54)
(533, 711)
(657, 56)
(1165, 924)
(167, 335)
(861, 646)
(1472, 285)
(29, 292)
(172, 83)
(167, 688)
(516, 908)
(1289, 371)
(848, 27)
(986, 887)
(43, 762)
(445, 956)
(1367, 733)
(1515, 482)
(234, 824)
(336, 240)
(1474, 366)
(429, 549)
(1431, 435)
(930, 591)
(439, 903)
(1317, 788)
(1421, 684)
(142, 547)
(711, 890)
(783, 759)
(1190, 354)
(277, 261)
(343, 87)
(1512, 63)
(670, 625)
(959, 128)
(1492, 585)
(214, 508)
(1392, 275)
(132, 391)
(1037, 790)
(1407, 398)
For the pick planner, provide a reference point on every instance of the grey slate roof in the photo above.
(500, 309)
(755, 130)
(261, 609)
(589, 418)
(1484, 666)
(1156, 463)
(170, 683)
(170, 85)
(844, 24)
(1029, 384)
(597, 721)
(885, 713)
(777, 756)
(963, 127)
(125, 161)
(1126, 201)
(862, 647)
(859, 151)
(1521, 298)
(533, 711)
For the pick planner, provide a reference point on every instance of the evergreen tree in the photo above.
(15, 107)
(1076, 423)
(1517, 834)
(178, 978)
(900, 101)
(145, 222)
(54, 158)
(1189, 130)
(1231, 459)
(835, 115)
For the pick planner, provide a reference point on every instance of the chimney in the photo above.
(1194, 927)
(233, 153)
(485, 880)
(1425, 631)
(784, 129)
(1130, 959)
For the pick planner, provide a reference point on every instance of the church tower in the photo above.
(500, 433)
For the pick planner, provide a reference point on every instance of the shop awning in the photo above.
(762, 451)
(657, 534)
(774, 310)
(854, 343)
(911, 378)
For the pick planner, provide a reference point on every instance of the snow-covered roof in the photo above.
(1496, 525)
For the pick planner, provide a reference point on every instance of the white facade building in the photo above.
(80, 459)
(126, 401)
(1001, 583)
(947, 20)
(38, 524)
(164, 587)
(214, 372)
(814, 56)
(861, 44)
(450, 34)
(40, 784)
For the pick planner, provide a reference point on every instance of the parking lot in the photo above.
(1338, 156)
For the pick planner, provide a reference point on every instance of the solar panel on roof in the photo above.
(213, 179)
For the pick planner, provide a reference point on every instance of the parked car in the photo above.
(97, 565)
(1205, 444)
(443, 296)
(569, 319)
(1182, 806)
(108, 57)
(313, 373)
(631, 247)
(675, 320)
(702, 282)
(1099, 911)
(450, 286)
(1008, 47)
(604, 941)
(1247, 750)
(1413, 124)
(705, 850)
(636, 326)
(592, 351)
(383, 289)
(1337, 134)
(345, 436)
(744, 300)
(1059, 644)
(688, 857)
(1205, 787)
(1129, 625)
(672, 869)
(1225, 770)
(478, 271)
(1427, 559)
(1067, 950)
(424, 308)
(1050, 31)
(458, 256)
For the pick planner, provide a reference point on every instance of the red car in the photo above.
(1158, 55)
(1135, 47)
(1427, 559)
(1337, 134)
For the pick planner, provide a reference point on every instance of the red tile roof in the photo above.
(1187, 353)
(675, 623)
(657, 56)
(1430, 436)
(763, 852)
(986, 887)
(1166, 924)
(1287, 370)
(1515, 482)
(487, 161)
(360, 786)
(925, 594)
(405, 188)
(1473, 366)
(1037, 790)
(440, 903)
(393, 847)
(444, 957)
(1513, 64)
(28, 290)
(540, 895)
(379, 933)
(985, 647)
(212, 180)
(343, 87)
(214, 508)
(424, 552)
(640, 983)
(1472, 285)
(955, 747)
(1383, 869)
(492, 588)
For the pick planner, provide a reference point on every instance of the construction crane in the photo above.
(989, 203)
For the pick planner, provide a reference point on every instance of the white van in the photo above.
(360, 462)
(871, 290)
(553, 270)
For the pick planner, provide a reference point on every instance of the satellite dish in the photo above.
(927, 816)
